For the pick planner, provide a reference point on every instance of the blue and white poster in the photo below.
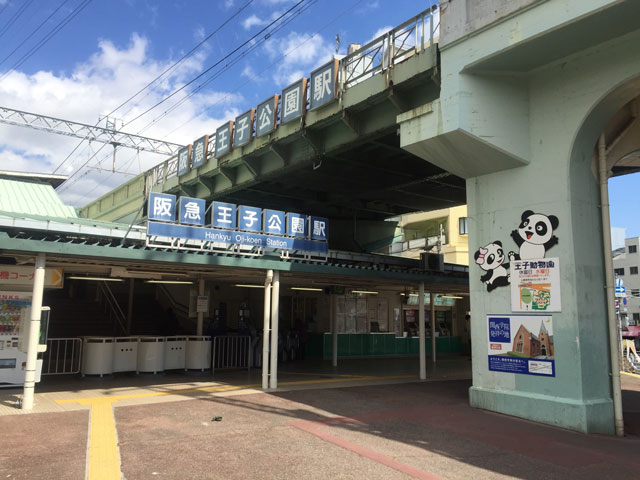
(521, 344)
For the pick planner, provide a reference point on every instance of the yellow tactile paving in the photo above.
(104, 456)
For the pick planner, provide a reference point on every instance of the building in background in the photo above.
(439, 231)
(626, 264)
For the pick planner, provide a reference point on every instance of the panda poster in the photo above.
(535, 285)
(521, 344)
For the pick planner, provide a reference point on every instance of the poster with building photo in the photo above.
(520, 343)
(535, 285)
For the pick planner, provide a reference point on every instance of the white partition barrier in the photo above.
(231, 351)
(97, 356)
(175, 353)
(198, 353)
(150, 354)
(125, 354)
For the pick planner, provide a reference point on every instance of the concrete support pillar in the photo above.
(275, 304)
(199, 325)
(130, 306)
(34, 333)
(421, 330)
(266, 329)
(432, 319)
(334, 333)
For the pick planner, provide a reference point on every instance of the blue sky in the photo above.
(111, 49)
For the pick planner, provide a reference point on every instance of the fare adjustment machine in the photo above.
(15, 313)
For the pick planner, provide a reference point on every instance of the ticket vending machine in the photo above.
(15, 311)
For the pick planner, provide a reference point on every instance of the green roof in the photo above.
(32, 198)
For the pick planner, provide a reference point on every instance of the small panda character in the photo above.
(490, 258)
(534, 236)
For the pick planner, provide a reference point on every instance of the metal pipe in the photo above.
(334, 333)
(199, 325)
(34, 333)
(130, 306)
(266, 329)
(432, 318)
(608, 269)
(275, 303)
(423, 350)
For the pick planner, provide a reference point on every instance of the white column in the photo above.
(265, 330)
(334, 332)
(34, 333)
(199, 325)
(423, 350)
(432, 318)
(275, 303)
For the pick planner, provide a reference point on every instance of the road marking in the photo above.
(315, 428)
(104, 455)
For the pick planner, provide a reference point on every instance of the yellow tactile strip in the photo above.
(104, 456)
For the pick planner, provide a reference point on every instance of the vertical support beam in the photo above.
(608, 271)
(130, 306)
(275, 304)
(34, 333)
(421, 330)
(432, 318)
(200, 314)
(266, 329)
(334, 332)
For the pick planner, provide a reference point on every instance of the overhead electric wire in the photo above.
(208, 69)
(183, 58)
(15, 17)
(176, 63)
(34, 32)
(226, 67)
(48, 37)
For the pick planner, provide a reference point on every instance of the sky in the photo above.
(81, 60)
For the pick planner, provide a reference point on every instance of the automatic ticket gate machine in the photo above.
(15, 312)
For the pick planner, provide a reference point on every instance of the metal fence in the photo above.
(63, 356)
(231, 351)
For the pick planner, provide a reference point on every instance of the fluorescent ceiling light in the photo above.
(97, 279)
(411, 294)
(177, 282)
(308, 289)
(365, 292)
(248, 286)
(450, 296)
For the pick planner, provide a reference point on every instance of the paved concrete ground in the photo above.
(329, 429)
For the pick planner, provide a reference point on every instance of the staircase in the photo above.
(76, 317)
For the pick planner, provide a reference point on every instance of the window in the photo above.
(636, 317)
(618, 271)
(633, 249)
(633, 270)
(635, 292)
(463, 225)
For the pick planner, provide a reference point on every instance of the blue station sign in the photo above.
(232, 224)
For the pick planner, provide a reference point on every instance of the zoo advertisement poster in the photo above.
(535, 285)
(520, 343)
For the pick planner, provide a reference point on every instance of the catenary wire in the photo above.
(15, 17)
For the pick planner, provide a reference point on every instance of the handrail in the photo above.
(114, 306)
(378, 56)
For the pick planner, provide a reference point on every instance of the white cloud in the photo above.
(95, 87)
(252, 21)
(303, 52)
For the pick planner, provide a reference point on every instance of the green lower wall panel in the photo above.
(376, 344)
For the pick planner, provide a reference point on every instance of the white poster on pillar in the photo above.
(535, 285)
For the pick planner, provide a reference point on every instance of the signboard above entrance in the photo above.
(234, 225)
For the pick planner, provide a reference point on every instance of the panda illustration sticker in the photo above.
(490, 258)
(534, 236)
